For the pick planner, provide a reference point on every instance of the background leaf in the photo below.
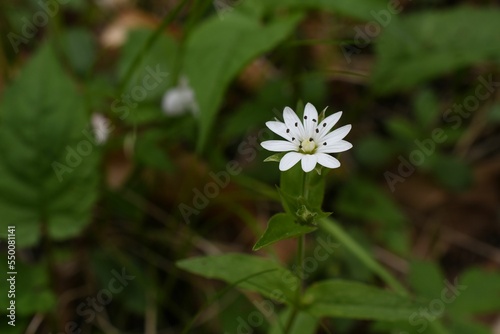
(42, 122)
(338, 298)
(211, 63)
(281, 226)
(422, 46)
(251, 272)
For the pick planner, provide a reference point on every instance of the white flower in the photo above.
(101, 127)
(179, 99)
(309, 141)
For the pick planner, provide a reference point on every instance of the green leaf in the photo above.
(253, 113)
(378, 209)
(451, 172)
(420, 47)
(292, 184)
(466, 326)
(45, 155)
(315, 184)
(377, 205)
(476, 292)
(149, 151)
(345, 299)
(292, 181)
(153, 75)
(248, 272)
(80, 49)
(426, 279)
(218, 49)
(281, 226)
(303, 323)
(402, 129)
(374, 151)
(360, 9)
(426, 108)
(146, 113)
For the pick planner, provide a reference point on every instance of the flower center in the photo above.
(308, 145)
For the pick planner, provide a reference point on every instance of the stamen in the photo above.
(300, 146)
(314, 120)
(293, 138)
(317, 131)
(305, 117)
(324, 143)
(324, 124)
(287, 130)
(310, 139)
(296, 124)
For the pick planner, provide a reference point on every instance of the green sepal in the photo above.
(275, 157)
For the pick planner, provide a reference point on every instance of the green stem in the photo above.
(301, 242)
(337, 232)
(300, 262)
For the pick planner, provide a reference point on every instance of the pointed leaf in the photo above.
(281, 226)
(218, 49)
(249, 272)
(48, 165)
(344, 299)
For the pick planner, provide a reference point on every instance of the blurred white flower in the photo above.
(179, 100)
(100, 125)
(308, 141)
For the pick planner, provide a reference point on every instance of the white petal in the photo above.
(280, 129)
(178, 100)
(336, 147)
(293, 122)
(310, 119)
(278, 146)
(327, 160)
(308, 162)
(336, 135)
(289, 160)
(101, 127)
(327, 124)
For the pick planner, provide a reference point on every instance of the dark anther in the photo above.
(287, 130)
(324, 143)
(300, 146)
(296, 124)
(324, 124)
(305, 117)
(314, 120)
(310, 139)
(293, 138)
(317, 131)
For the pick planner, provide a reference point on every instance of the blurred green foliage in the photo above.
(84, 209)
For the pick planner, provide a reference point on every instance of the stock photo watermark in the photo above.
(436, 307)
(11, 274)
(454, 116)
(122, 107)
(48, 9)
